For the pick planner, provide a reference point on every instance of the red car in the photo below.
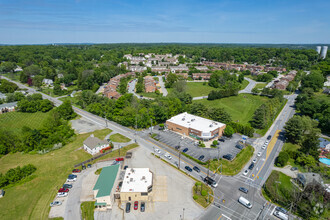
(63, 190)
(136, 205)
(119, 159)
(76, 171)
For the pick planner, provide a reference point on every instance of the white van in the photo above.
(281, 215)
(244, 202)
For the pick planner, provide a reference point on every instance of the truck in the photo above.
(210, 181)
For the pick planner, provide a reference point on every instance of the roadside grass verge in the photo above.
(244, 84)
(33, 197)
(14, 121)
(102, 133)
(260, 85)
(87, 210)
(196, 89)
(232, 168)
(201, 194)
(119, 138)
(241, 107)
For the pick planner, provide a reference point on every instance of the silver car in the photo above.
(55, 203)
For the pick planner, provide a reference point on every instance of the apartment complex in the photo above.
(149, 84)
(110, 89)
(283, 82)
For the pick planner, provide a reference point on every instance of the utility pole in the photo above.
(179, 154)
(208, 168)
(183, 214)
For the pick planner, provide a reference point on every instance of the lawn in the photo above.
(33, 197)
(87, 210)
(12, 76)
(260, 85)
(119, 138)
(196, 89)
(200, 194)
(101, 134)
(14, 121)
(241, 107)
(233, 167)
(149, 94)
(245, 83)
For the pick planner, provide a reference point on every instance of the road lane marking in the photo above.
(269, 150)
(226, 216)
(220, 217)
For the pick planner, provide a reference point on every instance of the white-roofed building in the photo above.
(195, 126)
(137, 185)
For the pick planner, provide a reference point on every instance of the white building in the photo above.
(93, 145)
(137, 185)
(48, 82)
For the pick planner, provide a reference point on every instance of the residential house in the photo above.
(202, 68)
(2, 96)
(137, 68)
(149, 84)
(324, 144)
(18, 69)
(180, 68)
(93, 145)
(2, 193)
(201, 76)
(48, 82)
(307, 178)
(8, 107)
(159, 69)
(60, 75)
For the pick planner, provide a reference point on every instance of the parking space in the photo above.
(175, 140)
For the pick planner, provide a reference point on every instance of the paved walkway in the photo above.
(162, 84)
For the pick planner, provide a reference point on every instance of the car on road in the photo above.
(228, 156)
(89, 165)
(143, 207)
(128, 207)
(185, 150)
(168, 156)
(67, 186)
(281, 215)
(125, 167)
(269, 137)
(294, 168)
(158, 151)
(76, 171)
(244, 190)
(63, 190)
(119, 159)
(210, 181)
(188, 168)
(201, 157)
(55, 203)
(177, 147)
(62, 194)
(259, 154)
(245, 172)
(280, 209)
(196, 169)
(251, 166)
(254, 161)
(245, 202)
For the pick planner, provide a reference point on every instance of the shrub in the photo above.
(282, 159)
(204, 192)
(195, 197)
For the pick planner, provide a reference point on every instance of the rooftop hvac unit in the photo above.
(211, 125)
(183, 119)
(131, 179)
(192, 119)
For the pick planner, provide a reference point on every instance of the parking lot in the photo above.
(174, 140)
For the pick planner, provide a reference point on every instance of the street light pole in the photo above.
(183, 214)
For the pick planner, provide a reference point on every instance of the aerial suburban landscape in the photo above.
(140, 124)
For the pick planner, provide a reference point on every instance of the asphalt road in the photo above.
(227, 186)
(162, 85)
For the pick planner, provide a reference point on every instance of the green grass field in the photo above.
(245, 83)
(149, 94)
(87, 210)
(14, 121)
(119, 138)
(33, 197)
(196, 89)
(260, 85)
(233, 167)
(203, 200)
(241, 107)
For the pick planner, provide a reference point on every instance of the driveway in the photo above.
(83, 125)
(162, 84)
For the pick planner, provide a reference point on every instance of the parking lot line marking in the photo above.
(220, 217)
(226, 216)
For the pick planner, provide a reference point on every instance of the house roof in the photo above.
(306, 178)
(324, 143)
(8, 105)
(93, 142)
(106, 180)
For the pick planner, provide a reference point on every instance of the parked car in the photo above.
(76, 171)
(158, 151)
(228, 156)
(185, 150)
(201, 157)
(177, 147)
(259, 154)
(142, 207)
(55, 203)
(254, 161)
(196, 169)
(294, 168)
(269, 137)
(210, 181)
(244, 190)
(89, 165)
(245, 172)
(188, 168)
(67, 186)
(280, 209)
(83, 167)
(221, 139)
(125, 167)
(266, 142)
(168, 156)
(239, 146)
(251, 166)
(264, 146)
(63, 190)
(128, 207)
(119, 159)
(72, 176)
(136, 205)
(71, 179)
(62, 194)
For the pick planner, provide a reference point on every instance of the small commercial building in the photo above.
(137, 185)
(103, 189)
(93, 145)
(195, 126)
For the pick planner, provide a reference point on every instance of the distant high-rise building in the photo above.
(318, 49)
(324, 52)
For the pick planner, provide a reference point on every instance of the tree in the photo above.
(170, 80)
(282, 159)
(313, 80)
(37, 81)
(255, 91)
(57, 89)
(241, 78)
(306, 160)
(229, 131)
(310, 145)
(65, 110)
(32, 70)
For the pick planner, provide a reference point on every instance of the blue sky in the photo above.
(207, 21)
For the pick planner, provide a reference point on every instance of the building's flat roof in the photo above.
(137, 180)
(106, 180)
(195, 122)
(8, 105)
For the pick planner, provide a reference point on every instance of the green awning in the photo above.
(101, 204)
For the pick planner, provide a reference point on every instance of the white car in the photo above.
(71, 180)
(158, 151)
(245, 172)
(55, 203)
(267, 142)
(254, 161)
(259, 154)
(264, 147)
(168, 156)
(62, 194)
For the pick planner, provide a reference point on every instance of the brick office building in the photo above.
(195, 126)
